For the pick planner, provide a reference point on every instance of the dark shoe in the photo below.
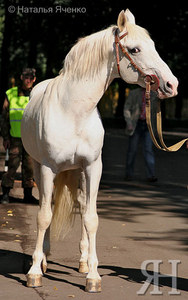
(5, 196)
(28, 197)
(152, 179)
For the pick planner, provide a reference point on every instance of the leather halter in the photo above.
(152, 83)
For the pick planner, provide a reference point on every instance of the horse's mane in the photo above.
(87, 55)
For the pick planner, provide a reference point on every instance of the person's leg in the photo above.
(148, 155)
(27, 177)
(13, 164)
(131, 153)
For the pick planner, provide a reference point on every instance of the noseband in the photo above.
(152, 83)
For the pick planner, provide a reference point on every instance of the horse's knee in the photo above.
(91, 222)
(44, 218)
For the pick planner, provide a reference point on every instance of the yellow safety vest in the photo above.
(17, 104)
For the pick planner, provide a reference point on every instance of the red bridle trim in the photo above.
(117, 42)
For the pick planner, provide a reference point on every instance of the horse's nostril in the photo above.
(168, 88)
(169, 85)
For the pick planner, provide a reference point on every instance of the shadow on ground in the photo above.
(14, 263)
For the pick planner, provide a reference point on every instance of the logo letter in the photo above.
(150, 278)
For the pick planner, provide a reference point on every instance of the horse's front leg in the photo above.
(90, 217)
(34, 276)
(46, 244)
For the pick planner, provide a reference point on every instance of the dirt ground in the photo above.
(138, 222)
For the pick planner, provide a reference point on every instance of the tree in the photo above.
(43, 39)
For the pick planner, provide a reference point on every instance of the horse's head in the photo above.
(141, 51)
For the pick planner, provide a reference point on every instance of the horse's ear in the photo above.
(123, 18)
(121, 22)
(129, 16)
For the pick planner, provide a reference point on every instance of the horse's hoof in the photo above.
(83, 267)
(34, 280)
(93, 285)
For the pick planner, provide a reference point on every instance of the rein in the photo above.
(152, 83)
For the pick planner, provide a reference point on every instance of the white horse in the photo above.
(63, 133)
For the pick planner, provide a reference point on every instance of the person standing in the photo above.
(15, 102)
(135, 117)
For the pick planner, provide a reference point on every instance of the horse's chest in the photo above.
(72, 154)
(74, 144)
(87, 151)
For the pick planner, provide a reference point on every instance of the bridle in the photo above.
(153, 80)
(152, 83)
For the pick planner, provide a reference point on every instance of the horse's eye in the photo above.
(134, 50)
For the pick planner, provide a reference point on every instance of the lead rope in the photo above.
(172, 148)
(148, 112)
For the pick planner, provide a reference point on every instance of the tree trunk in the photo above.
(5, 53)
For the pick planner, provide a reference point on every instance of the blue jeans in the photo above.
(141, 132)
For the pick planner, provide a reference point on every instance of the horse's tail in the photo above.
(65, 198)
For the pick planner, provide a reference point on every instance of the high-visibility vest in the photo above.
(17, 104)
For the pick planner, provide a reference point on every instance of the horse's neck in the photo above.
(82, 96)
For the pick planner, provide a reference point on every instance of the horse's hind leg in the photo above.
(34, 276)
(83, 263)
(83, 266)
